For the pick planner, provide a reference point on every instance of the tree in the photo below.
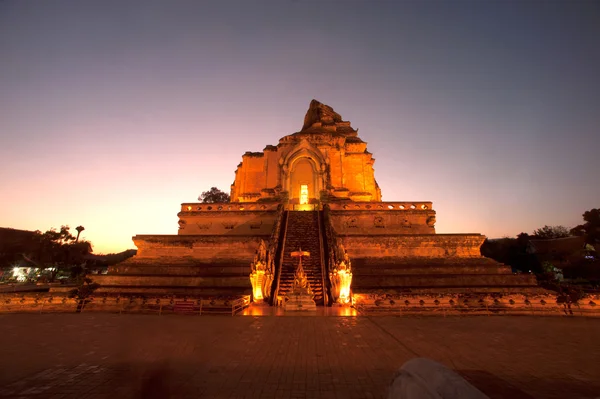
(59, 251)
(512, 252)
(549, 232)
(15, 243)
(214, 195)
(591, 228)
(56, 250)
(79, 230)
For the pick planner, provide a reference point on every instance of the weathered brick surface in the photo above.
(326, 154)
(130, 356)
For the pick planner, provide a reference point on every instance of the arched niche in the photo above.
(303, 172)
(303, 165)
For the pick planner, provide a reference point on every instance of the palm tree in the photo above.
(79, 230)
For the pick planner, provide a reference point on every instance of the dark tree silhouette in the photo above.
(79, 230)
(59, 251)
(214, 195)
(549, 232)
(591, 228)
(512, 252)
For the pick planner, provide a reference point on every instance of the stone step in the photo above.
(198, 292)
(106, 280)
(157, 270)
(302, 232)
(459, 280)
(438, 261)
(404, 269)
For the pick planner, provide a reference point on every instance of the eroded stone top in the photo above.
(318, 112)
(320, 116)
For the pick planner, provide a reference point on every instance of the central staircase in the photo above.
(302, 232)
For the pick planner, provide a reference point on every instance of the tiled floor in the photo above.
(149, 356)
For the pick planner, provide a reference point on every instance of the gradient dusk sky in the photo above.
(113, 113)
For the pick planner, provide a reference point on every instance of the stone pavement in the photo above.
(148, 356)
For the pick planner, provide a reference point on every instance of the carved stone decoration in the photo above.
(341, 254)
(450, 252)
(350, 222)
(229, 225)
(261, 277)
(255, 225)
(341, 280)
(406, 224)
(340, 275)
(203, 226)
(300, 297)
(301, 283)
(182, 224)
(431, 221)
(261, 252)
(324, 195)
(379, 222)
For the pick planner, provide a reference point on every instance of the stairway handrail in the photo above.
(324, 266)
(334, 245)
(279, 247)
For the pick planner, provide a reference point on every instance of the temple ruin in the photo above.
(316, 192)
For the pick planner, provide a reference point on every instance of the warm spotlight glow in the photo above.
(256, 278)
(341, 280)
(345, 279)
(303, 194)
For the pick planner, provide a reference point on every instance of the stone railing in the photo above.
(382, 206)
(275, 256)
(51, 303)
(36, 303)
(339, 269)
(550, 304)
(264, 263)
(227, 207)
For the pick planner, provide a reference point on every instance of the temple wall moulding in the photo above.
(228, 222)
(404, 206)
(193, 208)
(207, 247)
(420, 246)
(172, 281)
(361, 222)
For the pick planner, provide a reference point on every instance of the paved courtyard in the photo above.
(149, 356)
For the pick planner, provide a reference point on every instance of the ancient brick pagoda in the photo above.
(314, 192)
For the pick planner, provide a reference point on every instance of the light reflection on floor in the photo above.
(262, 310)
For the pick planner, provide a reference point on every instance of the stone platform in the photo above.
(195, 265)
(359, 243)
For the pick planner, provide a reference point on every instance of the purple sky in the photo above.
(112, 113)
